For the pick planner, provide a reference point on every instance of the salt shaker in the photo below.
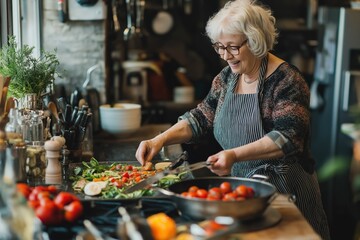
(53, 171)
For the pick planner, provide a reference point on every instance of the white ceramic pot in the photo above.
(121, 118)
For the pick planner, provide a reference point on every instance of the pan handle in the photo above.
(164, 191)
(260, 177)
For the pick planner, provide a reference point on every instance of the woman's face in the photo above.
(244, 61)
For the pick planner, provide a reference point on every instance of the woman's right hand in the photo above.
(147, 150)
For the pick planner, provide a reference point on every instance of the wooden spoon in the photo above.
(10, 103)
(53, 109)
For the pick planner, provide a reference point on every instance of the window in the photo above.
(21, 18)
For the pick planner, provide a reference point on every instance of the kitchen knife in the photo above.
(153, 179)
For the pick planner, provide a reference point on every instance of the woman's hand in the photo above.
(222, 162)
(147, 150)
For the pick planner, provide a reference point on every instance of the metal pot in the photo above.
(202, 208)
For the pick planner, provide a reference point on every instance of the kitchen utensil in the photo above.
(130, 28)
(150, 180)
(53, 109)
(130, 227)
(163, 21)
(93, 230)
(92, 97)
(202, 208)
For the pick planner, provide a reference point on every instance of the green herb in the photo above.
(29, 75)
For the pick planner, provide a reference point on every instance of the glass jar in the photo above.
(35, 162)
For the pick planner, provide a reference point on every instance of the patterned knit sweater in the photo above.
(284, 103)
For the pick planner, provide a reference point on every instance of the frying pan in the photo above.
(201, 208)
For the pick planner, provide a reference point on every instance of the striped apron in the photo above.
(239, 123)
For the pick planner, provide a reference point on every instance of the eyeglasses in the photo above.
(233, 50)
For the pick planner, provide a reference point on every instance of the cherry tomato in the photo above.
(49, 213)
(52, 189)
(242, 191)
(44, 194)
(34, 204)
(124, 179)
(225, 187)
(212, 198)
(138, 179)
(185, 194)
(215, 192)
(64, 198)
(24, 189)
(229, 196)
(126, 175)
(193, 189)
(73, 211)
(192, 194)
(201, 193)
(251, 192)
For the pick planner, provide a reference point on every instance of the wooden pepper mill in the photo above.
(53, 171)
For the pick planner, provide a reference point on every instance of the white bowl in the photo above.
(355, 4)
(121, 118)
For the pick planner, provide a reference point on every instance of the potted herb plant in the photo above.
(30, 76)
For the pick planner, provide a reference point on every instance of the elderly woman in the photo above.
(257, 109)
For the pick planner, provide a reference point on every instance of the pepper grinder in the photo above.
(53, 171)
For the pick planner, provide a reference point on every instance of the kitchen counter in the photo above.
(292, 224)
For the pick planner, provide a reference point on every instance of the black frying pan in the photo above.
(201, 208)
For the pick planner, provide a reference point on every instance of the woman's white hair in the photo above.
(246, 17)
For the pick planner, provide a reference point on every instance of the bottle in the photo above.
(13, 128)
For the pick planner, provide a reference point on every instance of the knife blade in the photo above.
(153, 179)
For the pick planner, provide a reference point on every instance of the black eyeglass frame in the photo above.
(229, 48)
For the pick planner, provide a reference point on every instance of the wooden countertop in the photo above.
(292, 225)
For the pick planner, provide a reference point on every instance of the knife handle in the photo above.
(180, 160)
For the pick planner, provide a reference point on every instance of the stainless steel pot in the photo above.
(202, 208)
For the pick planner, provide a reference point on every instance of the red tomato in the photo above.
(193, 189)
(202, 193)
(73, 211)
(52, 189)
(64, 198)
(192, 194)
(229, 196)
(126, 175)
(129, 168)
(49, 213)
(138, 179)
(24, 189)
(251, 192)
(185, 194)
(118, 183)
(212, 198)
(43, 194)
(38, 189)
(34, 204)
(225, 187)
(124, 179)
(242, 191)
(215, 192)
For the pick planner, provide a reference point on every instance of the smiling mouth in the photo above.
(233, 63)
